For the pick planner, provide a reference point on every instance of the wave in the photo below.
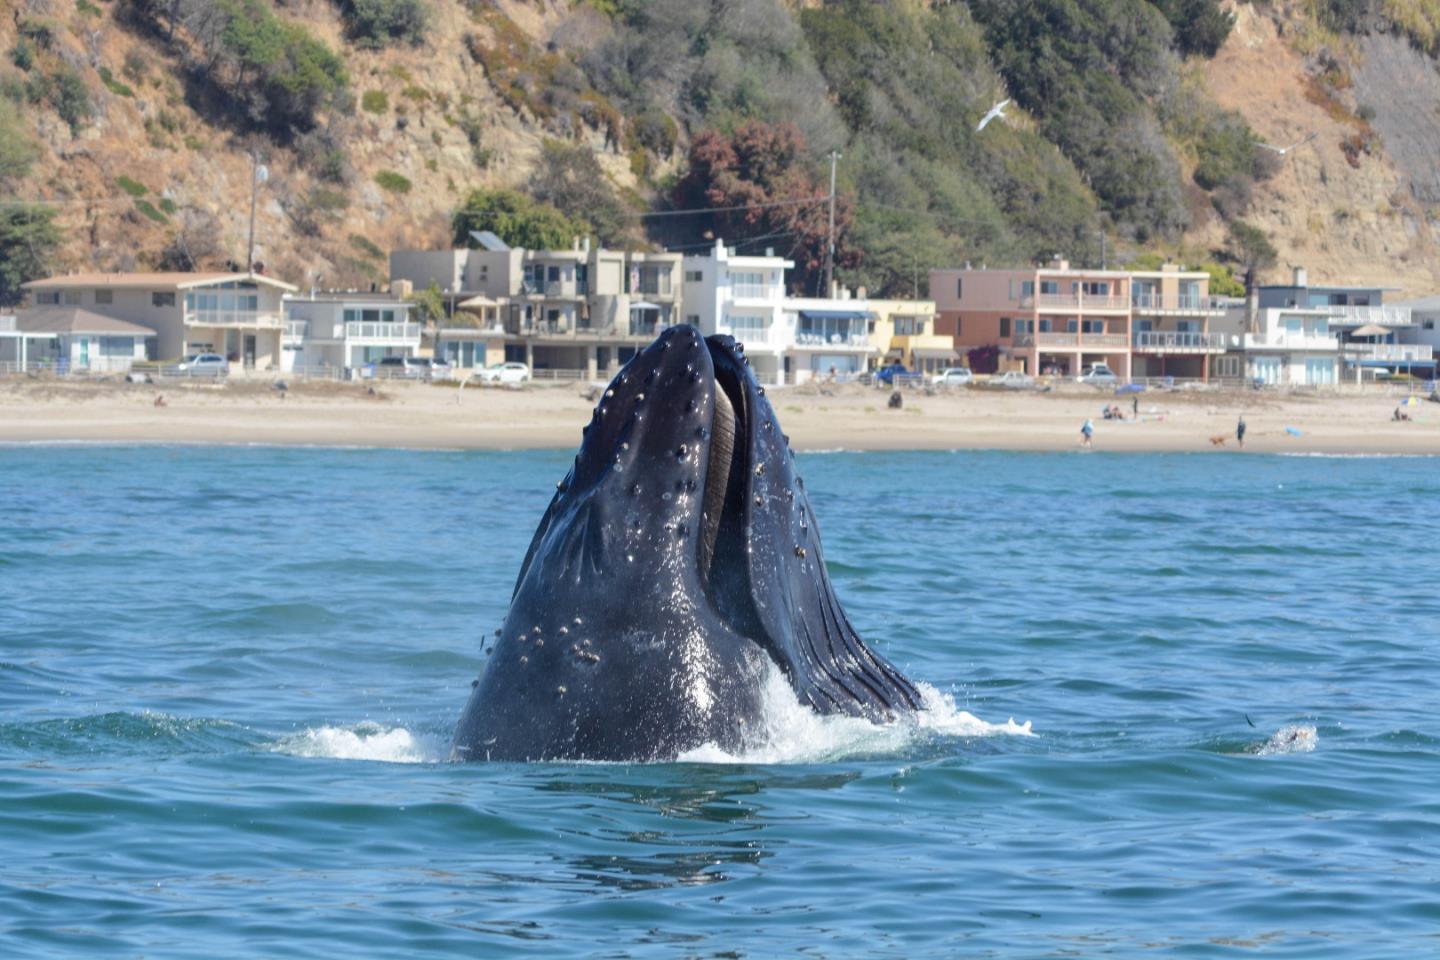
(1292, 738)
(362, 741)
(122, 732)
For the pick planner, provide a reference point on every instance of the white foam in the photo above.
(1293, 738)
(794, 733)
(362, 741)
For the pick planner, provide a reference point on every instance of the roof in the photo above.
(150, 281)
(72, 320)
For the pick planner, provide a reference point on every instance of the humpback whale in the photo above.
(677, 561)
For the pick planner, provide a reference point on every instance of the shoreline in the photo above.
(443, 418)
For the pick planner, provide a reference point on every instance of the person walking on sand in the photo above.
(1085, 432)
(1135, 407)
(1240, 432)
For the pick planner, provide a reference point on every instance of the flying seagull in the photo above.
(1284, 150)
(996, 111)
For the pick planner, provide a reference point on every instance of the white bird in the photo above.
(1284, 150)
(996, 111)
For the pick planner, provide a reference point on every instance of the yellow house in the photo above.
(904, 332)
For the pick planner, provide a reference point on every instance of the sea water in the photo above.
(1180, 705)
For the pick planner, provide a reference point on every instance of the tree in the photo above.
(514, 218)
(28, 241)
(761, 173)
(429, 304)
(570, 179)
(375, 23)
(1250, 247)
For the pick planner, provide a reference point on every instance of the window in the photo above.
(960, 288)
(744, 326)
(71, 298)
(1027, 288)
(46, 297)
(582, 278)
(1004, 326)
(117, 346)
(103, 297)
(166, 299)
(554, 275)
(1427, 325)
(1096, 288)
(1049, 286)
(909, 326)
(1092, 326)
(1072, 325)
(957, 325)
(694, 276)
(693, 319)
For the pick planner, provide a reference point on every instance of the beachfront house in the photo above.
(347, 330)
(1370, 336)
(70, 340)
(743, 296)
(904, 332)
(235, 314)
(581, 312)
(1059, 320)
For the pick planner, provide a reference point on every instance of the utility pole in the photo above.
(830, 237)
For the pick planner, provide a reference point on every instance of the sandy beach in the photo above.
(852, 417)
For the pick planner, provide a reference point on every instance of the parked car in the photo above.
(954, 377)
(1013, 380)
(442, 369)
(509, 373)
(893, 374)
(203, 365)
(398, 368)
(1098, 375)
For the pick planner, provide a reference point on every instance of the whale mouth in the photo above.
(724, 479)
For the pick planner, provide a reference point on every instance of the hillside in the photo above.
(139, 118)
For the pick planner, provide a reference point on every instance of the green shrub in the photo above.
(70, 98)
(17, 150)
(375, 101)
(168, 206)
(515, 218)
(147, 208)
(132, 187)
(88, 9)
(365, 246)
(392, 181)
(376, 23)
(113, 85)
(23, 54)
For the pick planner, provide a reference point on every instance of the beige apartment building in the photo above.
(238, 315)
(1058, 320)
(580, 311)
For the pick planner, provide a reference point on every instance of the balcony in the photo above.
(383, 333)
(295, 331)
(1289, 340)
(1388, 351)
(563, 330)
(816, 341)
(1072, 341)
(754, 291)
(1174, 341)
(246, 319)
(1356, 316)
(1185, 303)
(1075, 303)
(7, 325)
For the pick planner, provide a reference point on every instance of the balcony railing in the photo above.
(1181, 303)
(260, 319)
(1291, 339)
(7, 324)
(1385, 316)
(383, 332)
(1389, 351)
(295, 330)
(753, 291)
(1071, 341)
(833, 340)
(1176, 341)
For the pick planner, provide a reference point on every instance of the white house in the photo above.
(348, 329)
(71, 339)
(742, 296)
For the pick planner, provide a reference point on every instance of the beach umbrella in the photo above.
(1370, 330)
(1410, 402)
(1130, 388)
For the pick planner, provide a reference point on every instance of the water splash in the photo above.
(361, 741)
(1292, 738)
(793, 733)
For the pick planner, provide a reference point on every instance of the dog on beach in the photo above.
(1218, 440)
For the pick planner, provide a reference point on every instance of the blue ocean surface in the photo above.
(228, 677)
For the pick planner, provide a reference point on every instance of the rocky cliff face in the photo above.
(154, 166)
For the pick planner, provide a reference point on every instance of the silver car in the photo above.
(203, 365)
(954, 377)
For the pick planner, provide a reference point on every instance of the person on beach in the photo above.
(1135, 407)
(1240, 432)
(1085, 433)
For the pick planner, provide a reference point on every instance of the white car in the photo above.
(1098, 375)
(508, 373)
(203, 365)
(953, 377)
(1013, 380)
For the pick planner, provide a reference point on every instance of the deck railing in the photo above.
(1178, 341)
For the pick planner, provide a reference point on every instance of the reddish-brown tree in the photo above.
(766, 169)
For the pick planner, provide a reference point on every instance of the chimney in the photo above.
(769, 251)
(585, 245)
(860, 293)
(1301, 280)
